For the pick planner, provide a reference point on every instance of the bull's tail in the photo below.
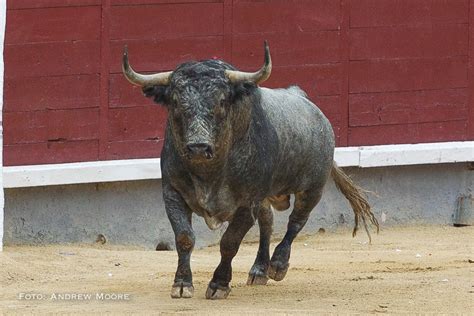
(356, 198)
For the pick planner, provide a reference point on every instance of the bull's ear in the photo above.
(241, 90)
(159, 94)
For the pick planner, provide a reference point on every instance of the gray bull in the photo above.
(232, 151)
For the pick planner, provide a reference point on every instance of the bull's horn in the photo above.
(256, 77)
(161, 78)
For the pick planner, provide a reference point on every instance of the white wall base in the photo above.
(141, 169)
(81, 172)
(415, 154)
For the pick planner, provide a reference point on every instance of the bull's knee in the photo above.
(184, 242)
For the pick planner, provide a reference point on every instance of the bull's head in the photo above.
(205, 101)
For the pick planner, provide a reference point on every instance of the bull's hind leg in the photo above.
(239, 226)
(304, 204)
(258, 274)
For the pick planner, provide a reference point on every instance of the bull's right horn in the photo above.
(135, 78)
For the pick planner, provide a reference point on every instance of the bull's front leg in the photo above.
(180, 216)
(240, 224)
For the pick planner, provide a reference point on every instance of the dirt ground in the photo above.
(405, 270)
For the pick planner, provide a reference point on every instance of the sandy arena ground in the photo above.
(405, 270)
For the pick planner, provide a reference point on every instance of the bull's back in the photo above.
(305, 140)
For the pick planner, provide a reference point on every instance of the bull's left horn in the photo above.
(256, 77)
(161, 78)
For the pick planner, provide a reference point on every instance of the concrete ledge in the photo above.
(416, 154)
(141, 169)
(347, 156)
(81, 172)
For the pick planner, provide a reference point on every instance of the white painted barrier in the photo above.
(141, 169)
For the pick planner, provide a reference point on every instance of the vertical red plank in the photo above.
(104, 79)
(345, 53)
(227, 20)
(470, 127)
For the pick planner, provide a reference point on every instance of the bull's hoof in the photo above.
(257, 275)
(217, 292)
(277, 270)
(182, 290)
(255, 279)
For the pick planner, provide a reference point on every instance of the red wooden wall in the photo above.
(383, 71)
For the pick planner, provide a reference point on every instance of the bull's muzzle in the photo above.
(200, 151)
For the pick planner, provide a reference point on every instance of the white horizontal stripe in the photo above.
(81, 172)
(140, 169)
(415, 154)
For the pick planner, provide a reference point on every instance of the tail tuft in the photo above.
(354, 194)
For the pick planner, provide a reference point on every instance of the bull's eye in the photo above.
(219, 109)
(222, 102)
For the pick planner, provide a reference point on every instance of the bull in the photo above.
(234, 151)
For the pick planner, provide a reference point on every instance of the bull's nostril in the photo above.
(209, 155)
(200, 149)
